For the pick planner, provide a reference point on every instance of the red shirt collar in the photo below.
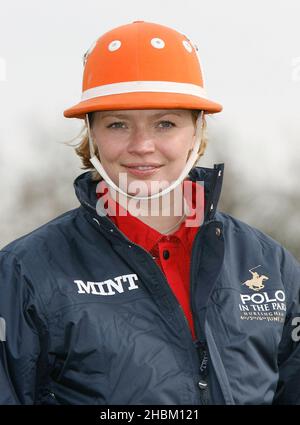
(146, 236)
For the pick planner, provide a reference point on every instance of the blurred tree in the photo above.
(273, 209)
(44, 190)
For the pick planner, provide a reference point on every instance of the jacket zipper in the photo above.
(200, 345)
(201, 342)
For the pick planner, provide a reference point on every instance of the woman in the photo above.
(146, 294)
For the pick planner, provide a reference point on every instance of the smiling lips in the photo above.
(142, 169)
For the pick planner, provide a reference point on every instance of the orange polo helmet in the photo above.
(142, 65)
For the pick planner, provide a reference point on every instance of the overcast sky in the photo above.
(250, 53)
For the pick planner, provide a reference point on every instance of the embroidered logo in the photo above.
(268, 305)
(256, 283)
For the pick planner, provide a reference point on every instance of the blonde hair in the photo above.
(83, 151)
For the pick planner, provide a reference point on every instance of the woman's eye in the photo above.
(118, 124)
(166, 124)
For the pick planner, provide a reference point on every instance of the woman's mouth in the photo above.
(142, 170)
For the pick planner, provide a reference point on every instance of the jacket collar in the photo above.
(85, 188)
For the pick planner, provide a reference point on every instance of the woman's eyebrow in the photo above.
(161, 114)
(114, 115)
(125, 116)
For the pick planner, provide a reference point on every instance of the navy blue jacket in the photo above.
(87, 317)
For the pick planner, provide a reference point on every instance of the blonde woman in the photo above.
(146, 294)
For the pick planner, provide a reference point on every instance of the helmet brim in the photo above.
(142, 100)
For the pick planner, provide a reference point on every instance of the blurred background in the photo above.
(250, 54)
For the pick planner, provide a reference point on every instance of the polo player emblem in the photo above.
(256, 283)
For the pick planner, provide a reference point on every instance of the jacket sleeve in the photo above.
(288, 389)
(21, 332)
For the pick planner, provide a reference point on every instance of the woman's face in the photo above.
(147, 145)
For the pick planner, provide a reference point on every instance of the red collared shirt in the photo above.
(172, 252)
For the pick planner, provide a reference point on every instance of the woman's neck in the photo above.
(164, 214)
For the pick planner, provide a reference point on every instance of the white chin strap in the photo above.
(188, 166)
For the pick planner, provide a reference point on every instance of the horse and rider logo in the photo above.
(256, 283)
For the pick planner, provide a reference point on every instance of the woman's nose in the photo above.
(141, 142)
